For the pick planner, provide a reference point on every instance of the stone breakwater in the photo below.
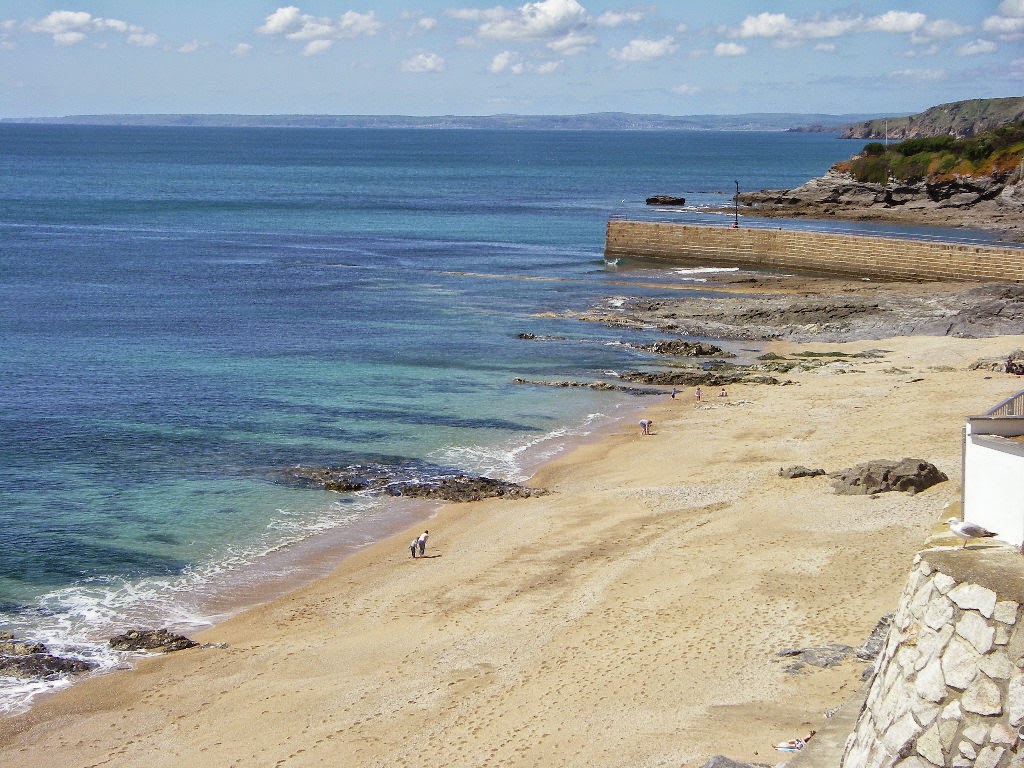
(883, 258)
(949, 687)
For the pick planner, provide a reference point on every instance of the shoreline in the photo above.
(291, 566)
(649, 592)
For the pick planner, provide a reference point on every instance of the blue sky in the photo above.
(436, 57)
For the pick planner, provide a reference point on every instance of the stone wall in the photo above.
(949, 686)
(820, 252)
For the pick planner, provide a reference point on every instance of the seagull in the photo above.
(968, 531)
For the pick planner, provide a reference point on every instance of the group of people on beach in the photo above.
(697, 393)
(646, 424)
(419, 544)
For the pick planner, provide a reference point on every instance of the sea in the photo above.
(186, 311)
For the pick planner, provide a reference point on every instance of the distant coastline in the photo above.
(600, 121)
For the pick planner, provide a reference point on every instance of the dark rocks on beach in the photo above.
(823, 656)
(697, 378)
(882, 475)
(1013, 363)
(792, 473)
(151, 640)
(28, 660)
(721, 761)
(665, 200)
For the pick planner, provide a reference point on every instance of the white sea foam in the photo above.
(77, 621)
(703, 270)
(514, 460)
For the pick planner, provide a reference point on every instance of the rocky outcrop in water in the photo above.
(396, 481)
(34, 660)
(600, 386)
(679, 348)
(161, 640)
(882, 475)
(665, 200)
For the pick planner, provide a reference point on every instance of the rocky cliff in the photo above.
(959, 118)
(994, 202)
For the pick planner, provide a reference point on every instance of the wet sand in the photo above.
(630, 618)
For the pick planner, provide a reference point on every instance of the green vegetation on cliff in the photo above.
(958, 118)
(996, 153)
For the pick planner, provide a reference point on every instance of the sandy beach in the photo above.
(632, 617)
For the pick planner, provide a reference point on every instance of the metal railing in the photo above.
(1011, 406)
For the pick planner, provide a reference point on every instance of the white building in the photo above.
(993, 493)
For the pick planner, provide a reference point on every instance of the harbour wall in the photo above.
(861, 256)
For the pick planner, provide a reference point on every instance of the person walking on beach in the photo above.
(696, 394)
(413, 545)
(674, 390)
(422, 542)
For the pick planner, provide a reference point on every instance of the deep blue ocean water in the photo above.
(185, 310)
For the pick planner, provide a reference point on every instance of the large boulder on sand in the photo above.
(881, 475)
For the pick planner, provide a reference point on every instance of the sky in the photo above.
(467, 57)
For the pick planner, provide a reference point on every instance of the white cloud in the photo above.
(922, 75)
(241, 50)
(786, 31)
(767, 25)
(502, 62)
(68, 38)
(572, 43)
(642, 49)
(685, 89)
(316, 47)
(825, 47)
(618, 18)
(942, 28)
(535, 21)
(1009, 24)
(424, 62)
(71, 27)
(190, 47)
(143, 39)
(426, 23)
(478, 14)
(977, 48)
(319, 32)
(280, 21)
(730, 49)
(897, 21)
(508, 62)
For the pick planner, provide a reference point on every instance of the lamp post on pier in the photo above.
(736, 207)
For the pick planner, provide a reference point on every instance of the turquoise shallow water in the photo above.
(185, 310)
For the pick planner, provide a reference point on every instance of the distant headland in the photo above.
(598, 121)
